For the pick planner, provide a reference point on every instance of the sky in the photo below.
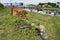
(29, 1)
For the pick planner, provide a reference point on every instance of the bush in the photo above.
(1, 6)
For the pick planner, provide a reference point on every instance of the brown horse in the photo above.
(18, 11)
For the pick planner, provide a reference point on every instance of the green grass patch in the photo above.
(8, 30)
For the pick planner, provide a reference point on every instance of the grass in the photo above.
(8, 30)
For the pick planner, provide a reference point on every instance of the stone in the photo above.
(42, 28)
(32, 24)
(44, 36)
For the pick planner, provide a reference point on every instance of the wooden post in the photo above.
(11, 9)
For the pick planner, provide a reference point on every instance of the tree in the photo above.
(48, 4)
(41, 4)
(52, 4)
(58, 2)
(21, 4)
(1, 6)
